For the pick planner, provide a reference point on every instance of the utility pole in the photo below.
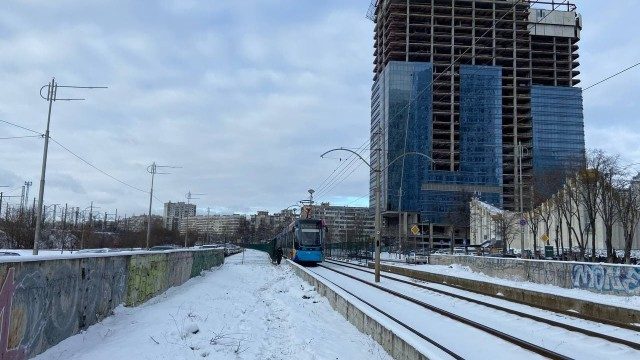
(189, 197)
(55, 206)
(523, 221)
(153, 170)
(52, 91)
(27, 185)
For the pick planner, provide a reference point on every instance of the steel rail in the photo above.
(399, 322)
(497, 333)
(565, 313)
(554, 323)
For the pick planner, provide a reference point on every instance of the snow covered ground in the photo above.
(631, 302)
(250, 310)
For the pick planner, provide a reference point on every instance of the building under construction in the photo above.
(465, 82)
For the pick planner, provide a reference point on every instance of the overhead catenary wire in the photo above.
(611, 77)
(340, 169)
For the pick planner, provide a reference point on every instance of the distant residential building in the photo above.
(212, 224)
(174, 212)
(138, 223)
(345, 223)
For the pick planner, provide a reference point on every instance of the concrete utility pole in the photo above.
(520, 150)
(52, 95)
(153, 170)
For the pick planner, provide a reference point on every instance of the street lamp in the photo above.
(378, 221)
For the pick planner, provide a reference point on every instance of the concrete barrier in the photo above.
(397, 347)
(42, 302)
(611, 279)
(562, 304)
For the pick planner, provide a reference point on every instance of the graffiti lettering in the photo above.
(608, 279)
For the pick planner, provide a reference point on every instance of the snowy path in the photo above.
(242, 311)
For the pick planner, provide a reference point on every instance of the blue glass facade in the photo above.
(558, 128)
(480, 170)
(402, 109)
(401, 112)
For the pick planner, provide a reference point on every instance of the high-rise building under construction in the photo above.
(468, 83)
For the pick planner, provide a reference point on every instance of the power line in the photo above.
(610, 77)
(347, 164)
(20, 137)
(323, 185)
(21, 127)
(95, 167)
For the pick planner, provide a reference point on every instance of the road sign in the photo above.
(415, 230)
(523, 222)
(545, 238)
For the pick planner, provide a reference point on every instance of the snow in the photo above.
(247, 309)
(456, 270)
(448, 332)
(27, 255)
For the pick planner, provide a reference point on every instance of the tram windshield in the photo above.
(310, 234)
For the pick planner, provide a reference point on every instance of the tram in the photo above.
(301, 241)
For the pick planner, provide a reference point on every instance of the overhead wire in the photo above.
(326, 182)
(95, 167)
(20, 137)
(328, 188)
(610, 77)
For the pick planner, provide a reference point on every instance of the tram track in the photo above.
(558, 324)
(507, 337)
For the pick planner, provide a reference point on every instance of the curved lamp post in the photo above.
(378, 220)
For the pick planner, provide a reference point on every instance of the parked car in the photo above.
(416, 258)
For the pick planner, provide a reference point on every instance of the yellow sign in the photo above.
(415, 230)
(545, 238)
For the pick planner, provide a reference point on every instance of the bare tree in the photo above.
(507, 227)
(627, 202)
(609, 173)
(569, 201)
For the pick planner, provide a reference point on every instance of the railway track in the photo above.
(517, 341)
(583, 316)
(631, 344)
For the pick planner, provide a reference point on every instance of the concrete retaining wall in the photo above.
(390, 342)
(609, 279)
(50, 300)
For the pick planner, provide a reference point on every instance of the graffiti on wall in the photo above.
(6, 301)
(623, 280)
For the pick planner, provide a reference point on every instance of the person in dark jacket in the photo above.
(279, 255)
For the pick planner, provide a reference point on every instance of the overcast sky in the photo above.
(243, 95)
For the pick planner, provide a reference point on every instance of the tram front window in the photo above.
(309, 236)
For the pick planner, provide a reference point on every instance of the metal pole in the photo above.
(378, 224)
(520, 153)
(50, 96)
(153, 173)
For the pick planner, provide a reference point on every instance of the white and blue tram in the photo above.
(302, 241)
